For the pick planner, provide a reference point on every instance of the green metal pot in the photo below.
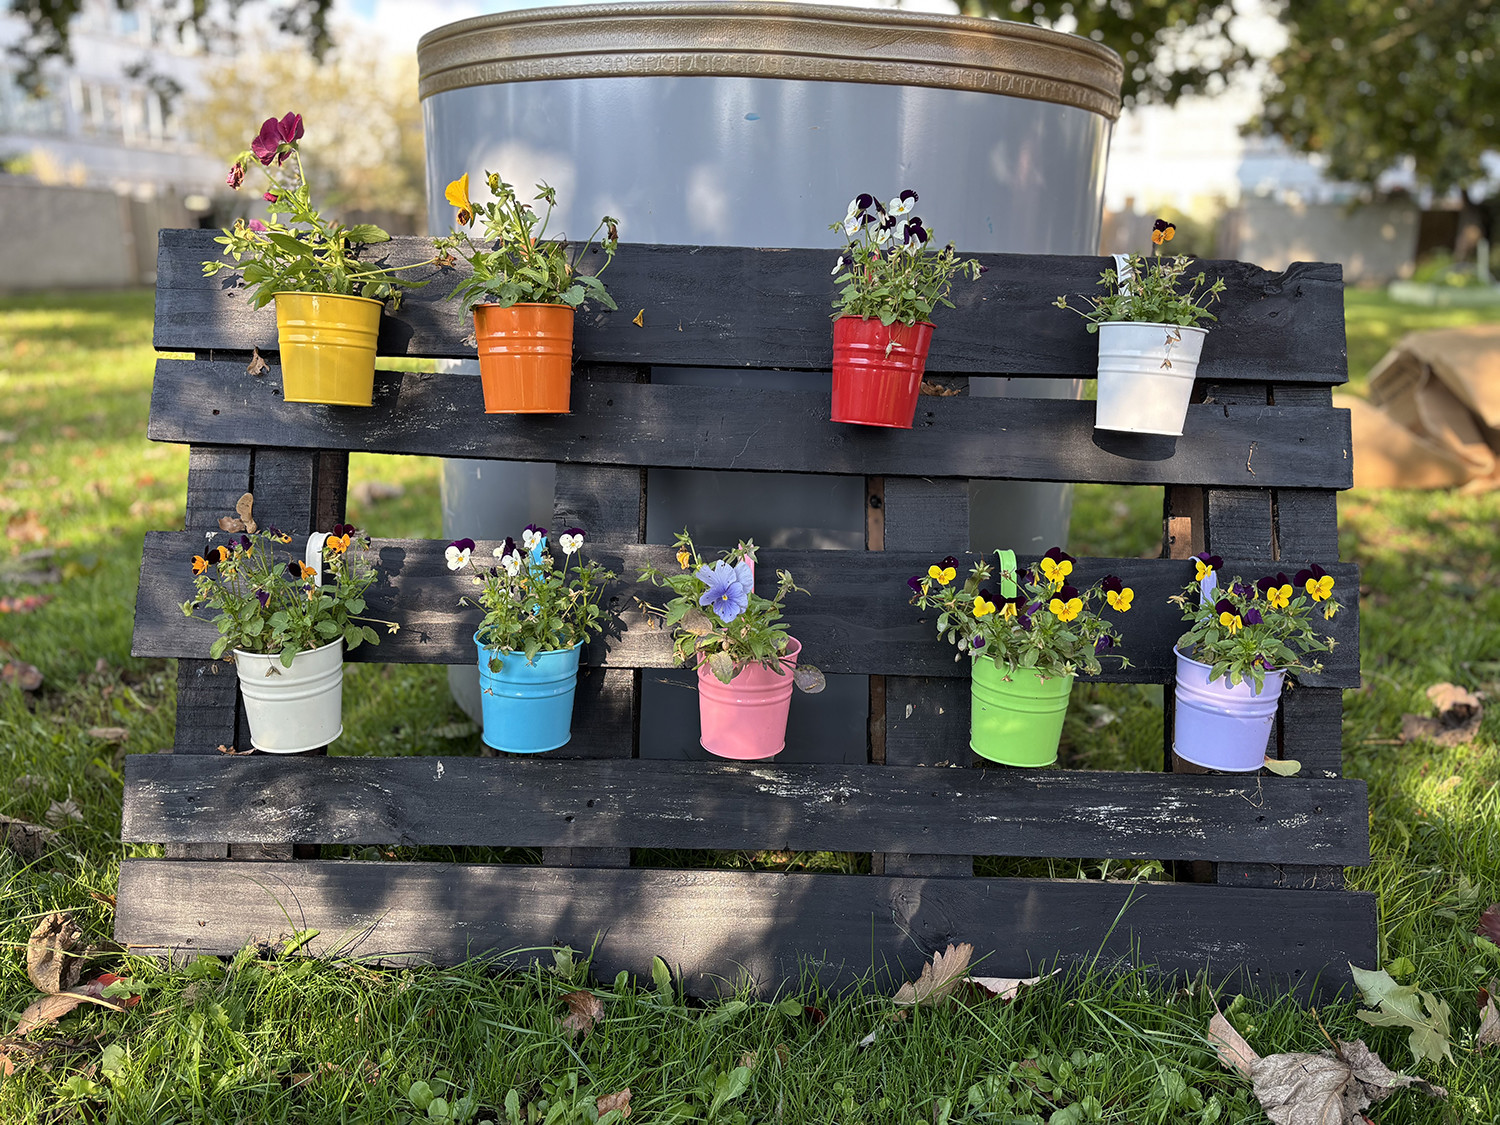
(1017, 722)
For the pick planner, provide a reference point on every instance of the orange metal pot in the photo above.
(525, 357)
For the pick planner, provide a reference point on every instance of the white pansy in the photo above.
(530, 538)
(458, 557)
(903, 203)
(511, 563)
(852, 224)
(570, 543)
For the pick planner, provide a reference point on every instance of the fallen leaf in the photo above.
(18, 673)
(61, 812)
(109, 734)
(1234, 1052)
(814, 1014)
(1489, 1019)
(619, 1101)
(1283, 767)
(29, 841)
(939, 977)
(1489, 923)
(1006, 989)
(869, 1039)
(750, 1060)
(47, 1010)
(639, 319)
(257, 364)
(7, 436)
(1402, 1005)
(51, 962)
(26, 528)
(584, 1010)
(937, 390)
(1324, 1089)
(245, 522)
(1460, 713)
(24, 604)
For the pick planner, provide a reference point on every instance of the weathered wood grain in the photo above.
(711, 306)
(662, 804)
(857, 618)
(720, 927)
(735, 428)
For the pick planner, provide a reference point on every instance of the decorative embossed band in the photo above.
(772, 39)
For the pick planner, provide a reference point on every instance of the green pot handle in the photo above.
(1007, 573)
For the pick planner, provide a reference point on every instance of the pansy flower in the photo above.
(263, 597)
(1227, 616)
(915, 582)
(844, 262)
(684, 557)
(1317, 582)
(236, 175)
(1066, 604)
(510, 556)
(273, 134)
(1103, 644)
(1056, 565)
(533, 536)
(726, 594)
(299, 569)
(270, 196)
(571, 540)
(1206, 564)
(1242, 590)
(457, 553)
(200, 564)
(942, 575)
(903, 203)
(338, 544)
(983, 606)
(1119, 600)
(1252, 616)
(915, 235)
(1163, 231)
(257, 226)
(276, 535)
(457, 193)
(222, 554)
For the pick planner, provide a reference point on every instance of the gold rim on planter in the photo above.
(772, 39)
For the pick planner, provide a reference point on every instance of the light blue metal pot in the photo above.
(527, 706)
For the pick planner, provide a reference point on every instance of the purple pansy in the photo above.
(1252, 616)
(727, 595)
(915, 582)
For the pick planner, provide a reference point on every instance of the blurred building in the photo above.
(103, 158)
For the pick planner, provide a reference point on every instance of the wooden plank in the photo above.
(857, 619)
(816, 807)
(929, 516)
(719, 928)
(711, 306)
(693, 427)
(609, 504)
(1239, 523)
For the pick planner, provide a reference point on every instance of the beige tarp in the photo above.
(1433, 416)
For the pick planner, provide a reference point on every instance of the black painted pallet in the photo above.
(1259, 859)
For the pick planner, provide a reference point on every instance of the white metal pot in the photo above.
(1146, 374)
(293, 709)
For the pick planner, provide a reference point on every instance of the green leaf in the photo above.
(420, 1094)
(112, 1061)
(367, 233)
(1286, 767)
(663, 977)
(288, 654)
(1402, 1005)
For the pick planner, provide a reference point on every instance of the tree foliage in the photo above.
(1366, 84)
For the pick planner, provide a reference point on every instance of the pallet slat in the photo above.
(689, 427)
(714, 306)
(717, 927)
(662, 804)
(857, 618)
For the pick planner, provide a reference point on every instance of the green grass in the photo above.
(212, 1043)
(1374, 324)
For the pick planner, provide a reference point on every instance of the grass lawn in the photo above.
(287, 1040)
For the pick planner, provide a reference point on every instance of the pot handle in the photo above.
(1124, 272)
(1007, 565)
(1207, 587)
(314, 555)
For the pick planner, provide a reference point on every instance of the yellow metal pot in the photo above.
(327, 347)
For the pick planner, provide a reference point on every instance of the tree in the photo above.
(47, 23)
(363, 151)
(1373, 84)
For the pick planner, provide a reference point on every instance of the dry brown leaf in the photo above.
(51, 960)
(1005, 989)
(1233, 1051)
(939, 977)
(47, 1010)
(1460, 713)
(1489, 1020)
(29, 841)
(1324, 1089)
(246, 521)
(584, 1010)
(17, 673)
(1489, 924)
(61, 812)
(750, 1060)
(937, 390)
(620, 1101)
(109, 734)
(26, 528)
(257, 364)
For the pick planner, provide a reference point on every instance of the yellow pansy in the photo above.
(1231, 621)
(1204, 570)
(223, 553)
(1056, 572)
(1120, 601)
(1279, 597)
(1321, 589)
(1008, 609)
(458, 195)
(942, 574)
(1329, 610)
(982, 608)
(684, 556)
(1066, 610)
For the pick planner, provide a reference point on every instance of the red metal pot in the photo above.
(877, 371)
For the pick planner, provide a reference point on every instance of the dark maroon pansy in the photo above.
(915, 582)
(1111, 584)
(1103, 644)
(1313, 571)
(1057, 554)
(1210, 560)
(463, 544)
(1224, 605)
(1066, 593)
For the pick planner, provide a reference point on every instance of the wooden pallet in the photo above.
(1259, 859)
